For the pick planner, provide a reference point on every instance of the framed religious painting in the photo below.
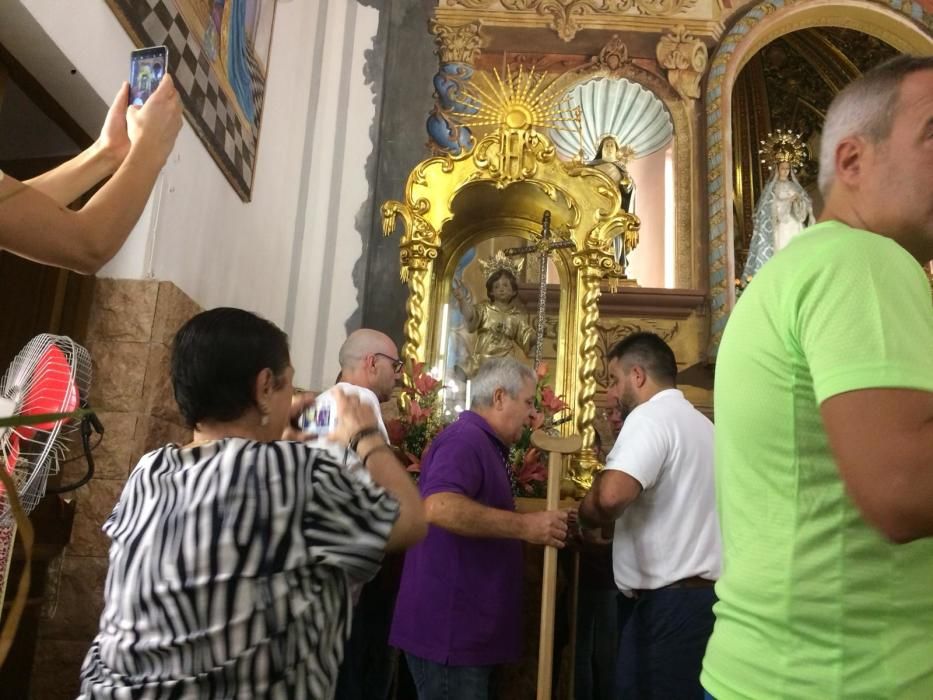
(218, 55)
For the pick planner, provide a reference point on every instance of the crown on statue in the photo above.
(500, 261)
(783, 147)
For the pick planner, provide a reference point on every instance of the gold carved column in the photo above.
(417, 253)
(594, 263)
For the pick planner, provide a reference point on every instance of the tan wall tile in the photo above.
(123, 310)
(80, 600)
(160, 397)
(112, 457)
(152, 433)
(119, 375)
(56, 670)
(173, 309)
(95, 503)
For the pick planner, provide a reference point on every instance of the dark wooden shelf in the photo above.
(628, 302)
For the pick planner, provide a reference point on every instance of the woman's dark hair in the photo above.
(215, 359)
(495, 277)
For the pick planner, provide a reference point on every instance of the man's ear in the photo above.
(639, 375)
(849, 156)
(498, 396)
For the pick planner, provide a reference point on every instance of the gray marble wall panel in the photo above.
(401, 66)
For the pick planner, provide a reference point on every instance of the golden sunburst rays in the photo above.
(783, 147)
(520, 101)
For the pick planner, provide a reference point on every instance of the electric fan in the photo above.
(49, 377)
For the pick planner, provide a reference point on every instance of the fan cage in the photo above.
(52, 374)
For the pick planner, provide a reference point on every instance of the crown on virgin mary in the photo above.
(500, 261)
(783, 147)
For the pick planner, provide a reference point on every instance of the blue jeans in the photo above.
(597, 645)
(663, 636)
(435, 681)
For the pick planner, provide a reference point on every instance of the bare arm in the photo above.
(70, 180)
(388, 472)
(33, 226)
(464, 516)
(882, 441)
(611, 493)
(34, 223)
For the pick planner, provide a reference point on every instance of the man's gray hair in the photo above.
(499, 373)
(865, 107)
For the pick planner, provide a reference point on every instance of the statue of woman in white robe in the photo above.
(784, 210)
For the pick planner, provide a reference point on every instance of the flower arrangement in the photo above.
(422, 417)
(529, 465)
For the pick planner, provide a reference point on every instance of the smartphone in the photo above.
(147, 68)
(321, 417)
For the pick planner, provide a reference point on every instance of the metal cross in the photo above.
(542, 244)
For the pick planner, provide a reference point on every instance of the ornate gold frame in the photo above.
(505, 183)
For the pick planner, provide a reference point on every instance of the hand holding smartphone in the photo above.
(319, 419)
(147, 68)
(339, 413)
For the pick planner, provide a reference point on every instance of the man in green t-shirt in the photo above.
(824, 425)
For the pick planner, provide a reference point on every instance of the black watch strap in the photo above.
(362, 434)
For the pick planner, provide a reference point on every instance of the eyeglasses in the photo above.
(397, 364)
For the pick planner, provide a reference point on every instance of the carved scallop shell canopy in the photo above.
(634, 115)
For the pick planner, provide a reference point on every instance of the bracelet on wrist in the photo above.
(361, 434)
(383, 446)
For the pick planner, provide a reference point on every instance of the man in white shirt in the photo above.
(370, 367)
(657, 487)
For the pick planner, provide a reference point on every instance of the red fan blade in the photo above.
(52, 392)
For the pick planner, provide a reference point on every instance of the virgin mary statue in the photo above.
(784, 208)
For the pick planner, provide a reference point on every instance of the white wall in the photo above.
(196, 231)
(646, 263)
(341, 144)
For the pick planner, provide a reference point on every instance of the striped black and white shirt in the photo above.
(230, 572)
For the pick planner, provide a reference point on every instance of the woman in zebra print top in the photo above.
(232, 557)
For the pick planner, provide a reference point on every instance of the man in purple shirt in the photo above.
(459, 609)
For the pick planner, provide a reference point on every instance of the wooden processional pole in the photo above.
(556, 447)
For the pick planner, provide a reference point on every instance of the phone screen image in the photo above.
(147, 68)
(320, 418)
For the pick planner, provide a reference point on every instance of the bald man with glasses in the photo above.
(370, 366)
